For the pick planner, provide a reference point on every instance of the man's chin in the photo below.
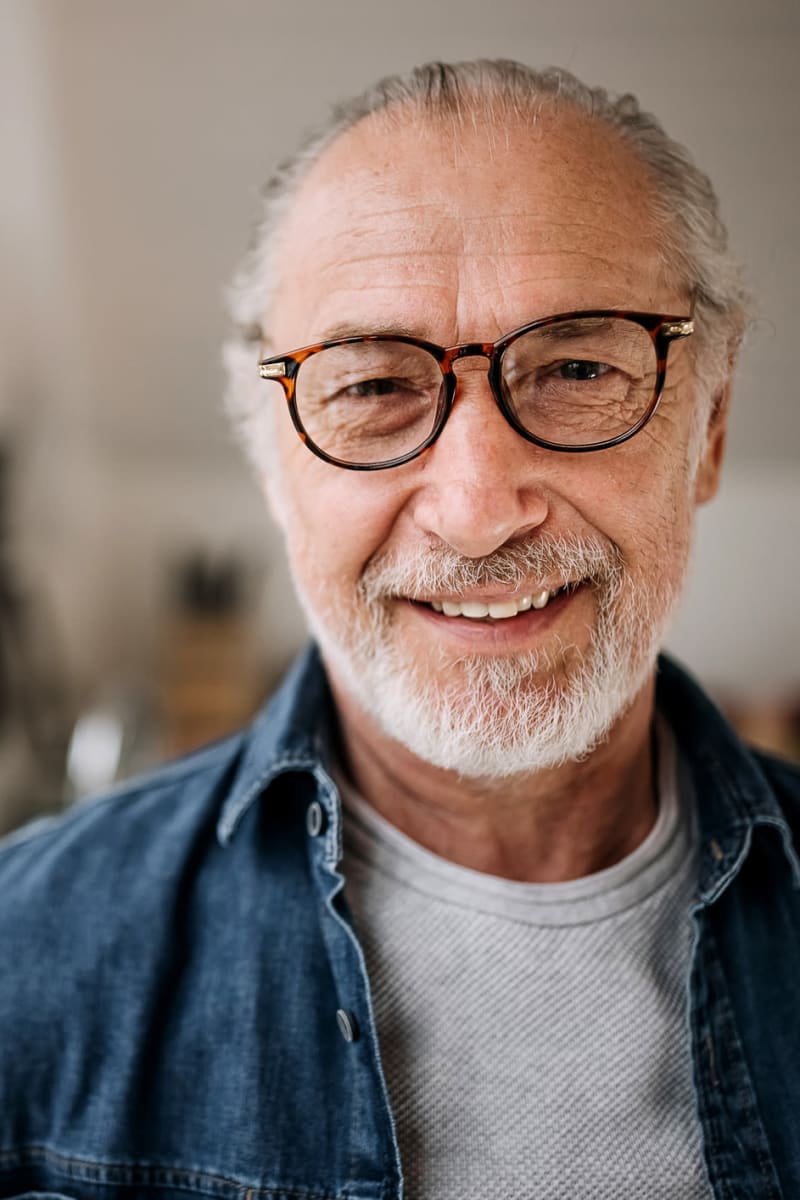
(488, 718)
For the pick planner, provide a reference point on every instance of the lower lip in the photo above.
(504, 633)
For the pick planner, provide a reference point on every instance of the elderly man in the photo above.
(486, 903)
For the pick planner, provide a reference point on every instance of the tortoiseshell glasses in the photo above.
(574, 382)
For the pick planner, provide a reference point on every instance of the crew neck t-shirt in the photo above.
(534, 1037)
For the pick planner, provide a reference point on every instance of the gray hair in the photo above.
(695, 248)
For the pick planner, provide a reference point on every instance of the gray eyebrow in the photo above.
(563, 330)
(346, 330)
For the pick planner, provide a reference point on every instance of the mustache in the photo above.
(434, 570)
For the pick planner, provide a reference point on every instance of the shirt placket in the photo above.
(374, 1156)
(737, 1153)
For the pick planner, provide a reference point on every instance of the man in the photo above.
(484, 901)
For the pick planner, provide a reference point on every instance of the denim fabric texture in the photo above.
(184, 1006)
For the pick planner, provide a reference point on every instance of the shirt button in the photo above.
(315, 819)
(348, 1026)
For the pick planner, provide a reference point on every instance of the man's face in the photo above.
(462, 236)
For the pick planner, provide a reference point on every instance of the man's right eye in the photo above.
(371, 387)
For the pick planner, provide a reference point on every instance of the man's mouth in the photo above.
(498, 610)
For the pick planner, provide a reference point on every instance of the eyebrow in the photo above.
(564, 330)
(556, 333)
(346, 330)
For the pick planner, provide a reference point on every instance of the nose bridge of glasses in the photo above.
(468, 356)
(471, 371)
(468, 350)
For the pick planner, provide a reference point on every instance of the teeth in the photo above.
(474, 609)
(498, 610)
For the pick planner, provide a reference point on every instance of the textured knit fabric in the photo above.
(534, 1036)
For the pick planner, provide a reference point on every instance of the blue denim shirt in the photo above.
(184, 1006)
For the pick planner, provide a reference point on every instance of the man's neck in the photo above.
(561, 823)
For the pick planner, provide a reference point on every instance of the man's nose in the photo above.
(481, 486)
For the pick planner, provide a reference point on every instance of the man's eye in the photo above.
(580, 369)
(372, 387)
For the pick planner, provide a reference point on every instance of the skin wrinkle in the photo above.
(480, 487)
(489, 232)
(325, 196)
(430, 251)
(337, 300)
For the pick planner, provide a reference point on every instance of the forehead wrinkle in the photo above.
(463, 242)
(384, 308)
(354, 215)
(485, 247)
(574, 148)
(503, 236)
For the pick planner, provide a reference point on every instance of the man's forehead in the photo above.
(501, 164)
(412, 202)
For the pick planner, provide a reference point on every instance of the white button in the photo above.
(348, 1026)
(315, 819)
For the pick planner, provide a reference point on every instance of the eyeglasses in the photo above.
(575, 382)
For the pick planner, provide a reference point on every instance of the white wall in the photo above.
(133, 136)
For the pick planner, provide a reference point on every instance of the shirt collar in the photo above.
(734, 798)
(292, 733)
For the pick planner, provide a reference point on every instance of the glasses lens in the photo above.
(369, 402)
(576, 382)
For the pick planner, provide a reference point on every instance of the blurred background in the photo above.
(144, 602)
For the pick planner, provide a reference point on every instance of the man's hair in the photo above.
(694, 250)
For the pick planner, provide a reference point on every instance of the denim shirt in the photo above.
(184, 1006)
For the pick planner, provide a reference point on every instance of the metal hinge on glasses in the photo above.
(679, 328)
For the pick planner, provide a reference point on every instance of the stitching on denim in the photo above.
(707, 1089)
(128, 1174)
(712, 1098)
(229, 821)
(726, 874)
(116, 1174)
(330, 793)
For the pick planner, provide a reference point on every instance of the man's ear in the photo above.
(710, 468)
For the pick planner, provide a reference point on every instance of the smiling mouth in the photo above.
(498, 610)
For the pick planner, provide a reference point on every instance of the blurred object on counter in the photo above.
(34, 712)
(210, 675)
(113, 739)
(95, 751)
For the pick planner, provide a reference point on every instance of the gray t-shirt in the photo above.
(534, 1036)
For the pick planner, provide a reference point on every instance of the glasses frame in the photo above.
(662, 328)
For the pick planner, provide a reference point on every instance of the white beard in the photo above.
(493, 717)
